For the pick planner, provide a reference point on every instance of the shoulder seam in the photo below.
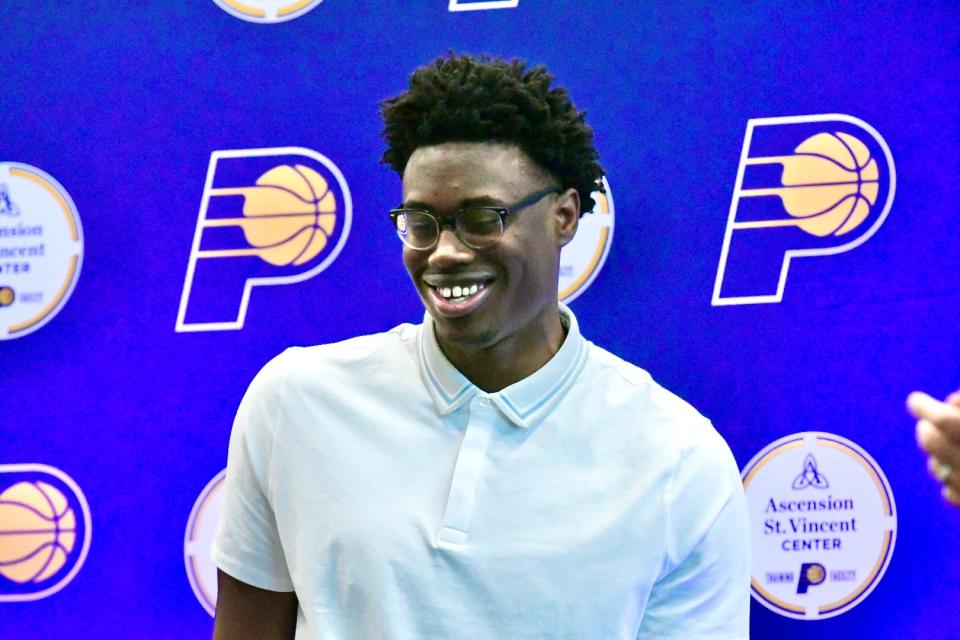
(645, 382)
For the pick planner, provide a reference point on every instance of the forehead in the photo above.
(447, 173)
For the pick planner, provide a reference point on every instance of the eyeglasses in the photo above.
(477, 227)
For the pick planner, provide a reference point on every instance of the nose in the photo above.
(450, 250)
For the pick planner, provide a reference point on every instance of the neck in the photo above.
(499, 365)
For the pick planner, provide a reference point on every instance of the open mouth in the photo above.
(458, 293)
(458, 299)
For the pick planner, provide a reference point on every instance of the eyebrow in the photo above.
(476, 201)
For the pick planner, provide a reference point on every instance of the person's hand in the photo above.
(938, 433)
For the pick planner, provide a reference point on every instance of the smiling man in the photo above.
(488, 473)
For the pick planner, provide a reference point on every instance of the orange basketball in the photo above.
(37, 531)
(289, 215)
(831, 183)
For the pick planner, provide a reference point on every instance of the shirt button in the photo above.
(484, 402)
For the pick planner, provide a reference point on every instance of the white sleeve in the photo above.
(247, 544)
(704, 591)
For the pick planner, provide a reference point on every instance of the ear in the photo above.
(567, 212)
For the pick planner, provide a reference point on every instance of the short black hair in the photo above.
(463, 98)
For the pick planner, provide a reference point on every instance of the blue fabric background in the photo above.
(123, 103)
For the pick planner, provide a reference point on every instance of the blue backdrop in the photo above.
(125, 103)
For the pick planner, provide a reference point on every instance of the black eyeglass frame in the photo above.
(452, 221)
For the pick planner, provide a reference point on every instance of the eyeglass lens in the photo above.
(477, 228)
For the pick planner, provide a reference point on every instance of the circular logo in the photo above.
(824, 525)
(582, 259)
(267, 11)
(41, 249)
(45, 531)
(202, 525)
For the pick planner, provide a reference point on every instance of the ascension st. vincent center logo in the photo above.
(823, 525)
(41, 249)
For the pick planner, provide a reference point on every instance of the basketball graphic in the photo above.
(7, 296)
(37, 532)
(290, 216)
(830, 184)
(45, 531)
(815, 573)
(267, 217)
(806, 186)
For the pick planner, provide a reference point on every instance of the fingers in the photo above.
(951, 495)
(954, 398)
(937, 469)
(937, 444)
(945, 416)
(944, 474)
(938, 433)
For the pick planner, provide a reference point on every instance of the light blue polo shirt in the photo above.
(401, 502)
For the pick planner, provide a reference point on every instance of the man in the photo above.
(488, 473)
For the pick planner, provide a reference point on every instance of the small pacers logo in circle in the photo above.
(45, 531)
(267, 11)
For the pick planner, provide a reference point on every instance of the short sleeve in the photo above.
(704, 591)
(247, 543)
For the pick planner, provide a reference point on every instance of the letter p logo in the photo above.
(811, 574)
(813, 185)
(267, 217)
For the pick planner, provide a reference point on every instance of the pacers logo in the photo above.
(44, 531)
(267, 217)
(806, 186)
(824, 525)
(267, 11)
(582, 259)
(41, 249)
(202, 525)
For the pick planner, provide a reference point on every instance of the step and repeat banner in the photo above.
(188, 188)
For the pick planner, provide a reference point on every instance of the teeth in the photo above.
(459, 291)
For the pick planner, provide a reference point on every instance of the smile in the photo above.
(460, 292)
(454, 299)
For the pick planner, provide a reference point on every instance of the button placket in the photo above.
(471, 461)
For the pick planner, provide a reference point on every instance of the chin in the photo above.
(460, 333)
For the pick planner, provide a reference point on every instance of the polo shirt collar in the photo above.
(525, 402)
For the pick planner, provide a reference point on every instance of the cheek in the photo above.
(533, 268)
(412, 261)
